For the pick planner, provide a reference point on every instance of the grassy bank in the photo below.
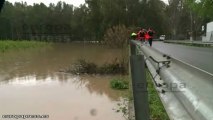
(7, 45)
(156, 108)
(157, 111)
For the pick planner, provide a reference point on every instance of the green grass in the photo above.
(156, 108)
(157, 111)
(7, 45)
(119, 84)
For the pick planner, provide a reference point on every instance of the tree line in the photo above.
(63, 22)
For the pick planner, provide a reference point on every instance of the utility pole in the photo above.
(191, 26)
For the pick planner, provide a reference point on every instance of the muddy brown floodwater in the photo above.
(30, 84)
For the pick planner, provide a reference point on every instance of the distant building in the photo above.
(209, 33)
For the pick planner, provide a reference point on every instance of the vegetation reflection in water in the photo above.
(63, 92)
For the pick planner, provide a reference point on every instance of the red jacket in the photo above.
(147, 36)
(141, 35)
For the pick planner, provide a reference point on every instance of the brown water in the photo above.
(31, 84)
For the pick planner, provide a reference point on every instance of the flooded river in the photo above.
(30, 84)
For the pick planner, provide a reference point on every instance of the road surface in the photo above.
(200, 57)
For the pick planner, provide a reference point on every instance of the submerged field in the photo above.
(16, 45)
(35, 65)
(32, 76)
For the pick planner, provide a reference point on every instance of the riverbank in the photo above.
(7, 45)
(157, 110)
(190, 43)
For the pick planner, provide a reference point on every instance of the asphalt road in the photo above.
(200, 57)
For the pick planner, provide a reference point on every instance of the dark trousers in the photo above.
(150, 41)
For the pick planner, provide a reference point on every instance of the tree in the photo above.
(87, 22)
(203, 8)
(201, 13)
(1, 4)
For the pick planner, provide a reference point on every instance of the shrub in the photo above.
(82, 66)
(117, 36)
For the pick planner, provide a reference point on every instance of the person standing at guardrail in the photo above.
(146, 37)
(141, 34)
(150, 33)
(133, 36)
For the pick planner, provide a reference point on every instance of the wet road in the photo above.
(197, 56)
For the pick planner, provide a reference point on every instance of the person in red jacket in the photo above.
(141, 34)
(150, 33)
(146, 37)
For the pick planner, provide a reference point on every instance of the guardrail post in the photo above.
(139, 84)
(132, 48)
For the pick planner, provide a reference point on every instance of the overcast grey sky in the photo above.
(47, 2)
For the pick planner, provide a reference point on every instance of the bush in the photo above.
(85, 67)
(117, 37)
(117, 67)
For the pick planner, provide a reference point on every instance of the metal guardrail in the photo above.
(185, 91)
(191, 43)
(139, 83)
